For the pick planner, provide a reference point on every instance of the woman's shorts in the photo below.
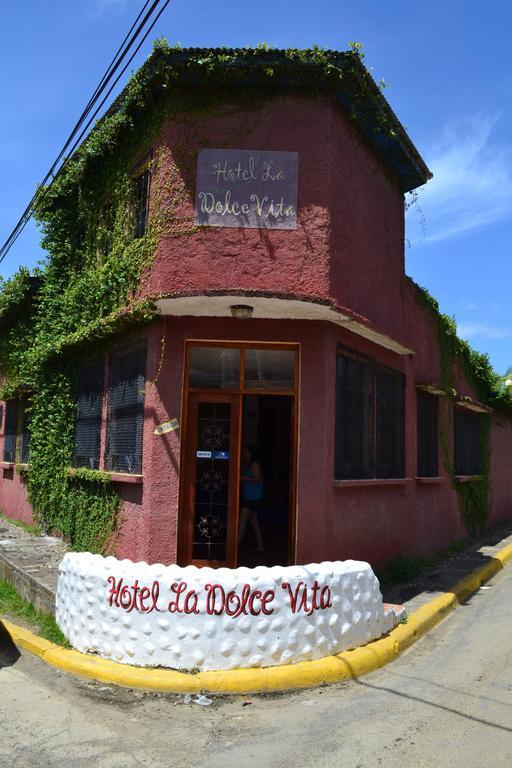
(253, 505)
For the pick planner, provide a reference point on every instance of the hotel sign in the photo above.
(246, 188)
(227, 618)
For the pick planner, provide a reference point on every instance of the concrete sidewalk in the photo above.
(30, 564)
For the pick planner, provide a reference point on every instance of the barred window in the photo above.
(10, 430)
(427, 407)
(389, 423)
(125, 411)
(369, 421)
(141, 203)
(89, 399)
(467, 454)
(354, 417)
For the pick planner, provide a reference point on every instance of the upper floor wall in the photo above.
(348, 244)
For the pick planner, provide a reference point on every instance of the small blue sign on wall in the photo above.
(246, 188)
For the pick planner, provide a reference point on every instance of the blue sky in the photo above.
(448, 69)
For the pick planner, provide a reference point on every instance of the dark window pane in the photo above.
(269, 369)
(126, 411)
(354, 418)
(467, 456)
(141, 194)
(89, 398)
(214, 367)
(427, 443)
(10, 430)
(389, 424)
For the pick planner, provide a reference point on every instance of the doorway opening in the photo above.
(263, 534)
(239, 395)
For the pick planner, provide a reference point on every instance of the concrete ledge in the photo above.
(30, 588)
(350, 664)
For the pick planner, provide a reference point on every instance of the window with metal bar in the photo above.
(467, 453)
(389, 423)
(125, 411)
(369, 420)
(141, 203)
(354, 417)
(10, 430)
(89, 399)
(427, 407)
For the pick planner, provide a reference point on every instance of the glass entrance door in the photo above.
(211, 484)
(233, 387)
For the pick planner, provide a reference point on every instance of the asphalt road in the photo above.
(446, 703)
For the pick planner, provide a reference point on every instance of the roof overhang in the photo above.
(278, 308)
(464, 401)
(432, 389)
(340, 74)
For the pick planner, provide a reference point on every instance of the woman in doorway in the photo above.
(252, 494)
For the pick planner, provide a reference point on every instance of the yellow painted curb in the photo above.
(305, 674)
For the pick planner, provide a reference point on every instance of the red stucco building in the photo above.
(295, 331)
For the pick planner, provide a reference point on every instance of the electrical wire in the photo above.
(43, 188)
(114, 64)
(72, 143)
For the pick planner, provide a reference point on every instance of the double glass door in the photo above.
(218, 425)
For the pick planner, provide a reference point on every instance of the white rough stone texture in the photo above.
(159, 637)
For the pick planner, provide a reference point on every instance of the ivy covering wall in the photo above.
(89, 291)
(456, 355)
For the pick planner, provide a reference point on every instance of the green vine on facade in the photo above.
(456, 354)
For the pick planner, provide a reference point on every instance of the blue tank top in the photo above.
(251, 491)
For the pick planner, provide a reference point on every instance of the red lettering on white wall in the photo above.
(300, 596)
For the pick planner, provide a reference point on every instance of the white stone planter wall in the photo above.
(186, 618)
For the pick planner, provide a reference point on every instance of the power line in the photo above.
(71, 143)
(43, 190)
(114, 64)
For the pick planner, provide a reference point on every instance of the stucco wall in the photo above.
(287, 261)
(13, 495)
(371, 522)
(366, 244)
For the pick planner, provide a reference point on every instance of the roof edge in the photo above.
(342, 74)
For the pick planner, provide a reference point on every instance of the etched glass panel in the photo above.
(212, 481)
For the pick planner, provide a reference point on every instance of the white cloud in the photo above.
(483, 331)
(472, 184)
(103, 6)
(468, 305)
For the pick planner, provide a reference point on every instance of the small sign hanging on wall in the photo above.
(246, 188)
(167, 426)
